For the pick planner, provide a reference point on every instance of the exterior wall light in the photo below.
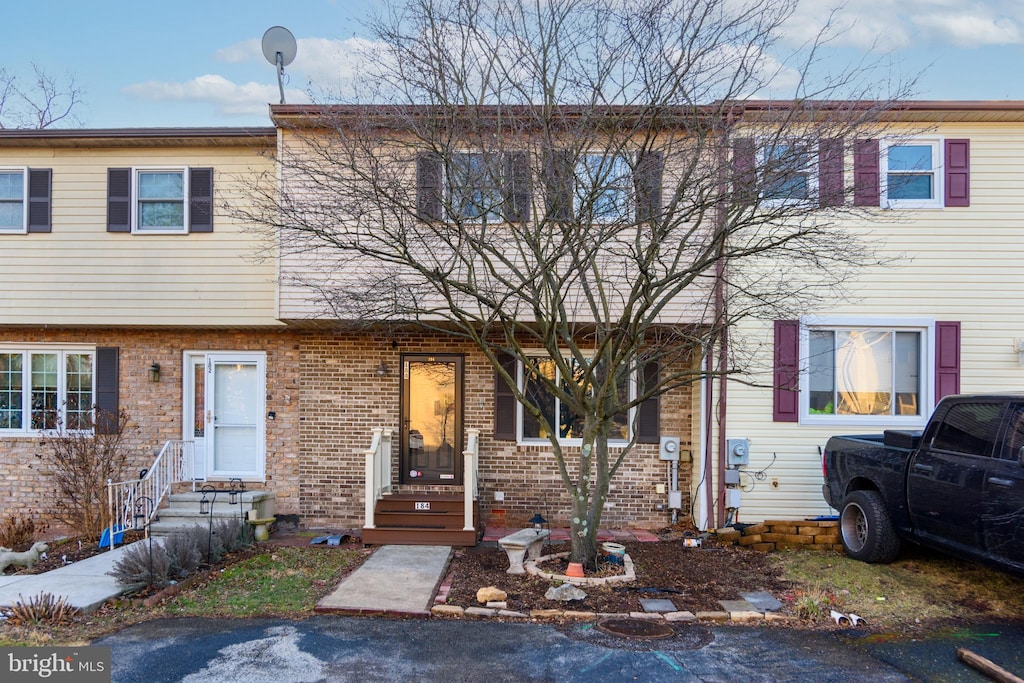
(154, 372)
(382, 369)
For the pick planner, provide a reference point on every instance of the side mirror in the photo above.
(1020, 455)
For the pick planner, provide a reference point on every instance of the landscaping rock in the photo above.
(565, 593)
(490, 594)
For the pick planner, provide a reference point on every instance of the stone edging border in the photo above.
(627, 562)
(557, 614)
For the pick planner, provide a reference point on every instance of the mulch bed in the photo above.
(694, 579)
(66, 551)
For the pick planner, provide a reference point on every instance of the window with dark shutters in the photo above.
(39, 199)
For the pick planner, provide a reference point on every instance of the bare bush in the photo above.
(17, 532)
(41, 609)
(182, 550)
(81, 461)
(135, 565)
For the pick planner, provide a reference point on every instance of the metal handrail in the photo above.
(153, 484)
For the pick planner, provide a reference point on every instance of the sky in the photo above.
(199, 63)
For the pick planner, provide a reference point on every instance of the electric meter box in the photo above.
(669, 448)
(675, 500)
(732, 477)
(732, 498)
(738, 452)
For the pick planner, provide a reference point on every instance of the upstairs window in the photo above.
(788, 171)
(911, 174)
(160, 201)
(475, 182)
(604, 188)
(12, 200)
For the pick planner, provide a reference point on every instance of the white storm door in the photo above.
(195, 416)
(235, 401)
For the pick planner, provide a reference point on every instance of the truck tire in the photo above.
(866, 530)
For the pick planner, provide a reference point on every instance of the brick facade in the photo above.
(343, 399)
(327, 397)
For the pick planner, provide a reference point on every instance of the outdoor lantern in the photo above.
(382, 369)
(204, 502)
(234, 491)
(538, 521)
(154, 372)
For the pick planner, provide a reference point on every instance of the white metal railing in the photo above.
(469, 474)
(125, 499)
(378, 472)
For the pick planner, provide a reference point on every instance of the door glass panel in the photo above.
(433, 422)
(235, 416)
(198, 400)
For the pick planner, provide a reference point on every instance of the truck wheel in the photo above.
(866, 530)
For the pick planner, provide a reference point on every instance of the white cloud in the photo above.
(229, 98)
(322, 62)
(898, 24)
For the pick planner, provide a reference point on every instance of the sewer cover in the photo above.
(636, 628)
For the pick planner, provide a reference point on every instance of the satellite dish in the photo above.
(279, 48)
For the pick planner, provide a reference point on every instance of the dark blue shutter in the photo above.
(39, 200)
(119, 200)
(200, 190)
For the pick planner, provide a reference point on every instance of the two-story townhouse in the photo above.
(128, 286)
(938, 317)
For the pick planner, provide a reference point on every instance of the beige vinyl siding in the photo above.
(79, 274)
(957, 264)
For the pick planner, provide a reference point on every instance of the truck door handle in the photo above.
(923, 468)
(999, 481)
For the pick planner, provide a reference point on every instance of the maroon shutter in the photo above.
(947, 359)
(39, 199)
(744, 180)
(200, 189)
(107, 407)
(866, 173)
(649, 169)
(517, 186)
(647, 426)
(830, 172)
(958, 173)
(505, 400)
(786, 399)
(559, 182)
(428, 186)
(119, 200)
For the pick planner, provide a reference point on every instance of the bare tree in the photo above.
(587, 180)
(38, 102)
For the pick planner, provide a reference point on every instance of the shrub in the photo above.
(134, 565)
(182, 552)
(81, 460)
(211, 549)
(16, 532)
(234, 533)
(41, 609)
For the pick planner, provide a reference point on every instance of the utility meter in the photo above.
(669, 448)
(738, 451)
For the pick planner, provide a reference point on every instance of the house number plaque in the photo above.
(422, 506)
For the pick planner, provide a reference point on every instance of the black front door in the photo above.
(431, 439)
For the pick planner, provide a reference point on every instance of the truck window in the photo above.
(1014, 434)
(969, 428)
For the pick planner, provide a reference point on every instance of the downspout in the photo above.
(721, 318)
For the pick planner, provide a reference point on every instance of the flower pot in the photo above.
(575, 570)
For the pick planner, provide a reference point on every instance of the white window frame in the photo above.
(137, 171)
(630, 184)
(938, 180)
(522, 440)
(23, 170)
(449, 187)
(811, 171)
(61, 351)
(925, 326)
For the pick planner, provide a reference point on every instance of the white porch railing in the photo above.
(378, 472)
(143, 496)
(469, 474)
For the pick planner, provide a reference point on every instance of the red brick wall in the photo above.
(343, 400)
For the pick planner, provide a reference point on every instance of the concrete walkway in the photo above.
(396, 579)
(84, 584)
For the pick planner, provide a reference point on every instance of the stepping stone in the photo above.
(657, 605)
(762, 601)
(737, 606)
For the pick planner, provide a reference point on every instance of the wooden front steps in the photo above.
(438, 521)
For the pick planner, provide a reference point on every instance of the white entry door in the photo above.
(231, 387)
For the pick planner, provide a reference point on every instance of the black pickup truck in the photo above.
(958, 486)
